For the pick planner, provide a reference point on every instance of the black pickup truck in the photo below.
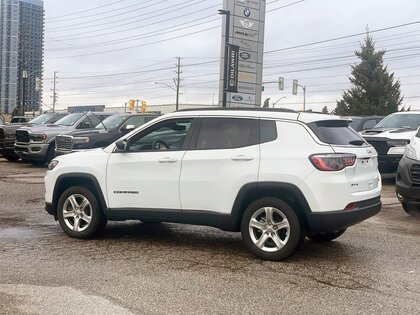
(110, 130)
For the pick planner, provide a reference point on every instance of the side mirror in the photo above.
(128, 128)
(121, 145)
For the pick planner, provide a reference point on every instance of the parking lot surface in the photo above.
(135, 268)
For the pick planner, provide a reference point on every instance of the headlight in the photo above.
(398, 143)
(38, 137)
(81, 139)
(410, 153)
(52, 165)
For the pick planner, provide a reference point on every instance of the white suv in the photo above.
(275, 176)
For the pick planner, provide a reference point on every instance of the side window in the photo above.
(166, 136)
(134, 121)
(228, 133)
(369, 124)
(268, 131)
(89, 122)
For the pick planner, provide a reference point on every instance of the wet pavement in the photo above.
(135, 268)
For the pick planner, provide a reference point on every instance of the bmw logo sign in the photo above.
(247, 12)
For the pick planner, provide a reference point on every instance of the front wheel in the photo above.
(79, 214)
(326, 237)
(412, 210)
(271, 229)
(11, 157)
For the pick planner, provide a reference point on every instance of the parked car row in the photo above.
(38, 141)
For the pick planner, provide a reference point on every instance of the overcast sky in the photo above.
(94, 51)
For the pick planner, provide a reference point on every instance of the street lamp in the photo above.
(174, 89)
(281, 98)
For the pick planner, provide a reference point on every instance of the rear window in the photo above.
(336, 132)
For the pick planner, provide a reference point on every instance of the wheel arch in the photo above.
(287, 192)
(78, 179)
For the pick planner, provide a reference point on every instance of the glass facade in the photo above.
(21, 49)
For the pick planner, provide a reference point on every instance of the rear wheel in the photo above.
(79, 213)
(411, 209)
(326, 237)
(271, 229)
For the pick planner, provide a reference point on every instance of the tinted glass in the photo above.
(408, 121)
(268, 131)
(111, 122)
(369, 124)
(355, 124)
(165, 136)
(227, 133)
(336, 132)
(135, 121)
(69, 120)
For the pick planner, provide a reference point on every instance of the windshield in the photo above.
(408, 121)
(43, 119)
(111, 122)
(355, 124)
(69, 120)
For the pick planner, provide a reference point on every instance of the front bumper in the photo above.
(408, 190)
(388, 164)
(338, 220)
(7, 146)
(32, 151)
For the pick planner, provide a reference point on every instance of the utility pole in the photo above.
(55, 90)
(178, 81)
(24, 77)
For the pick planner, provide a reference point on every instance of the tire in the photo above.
(275, 241)
(327, 237)
(11, 157)
(412, 210)
(81, 204)
(50, 153)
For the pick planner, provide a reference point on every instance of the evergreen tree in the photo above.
(373, 88)
(402, 109)
(325, 110)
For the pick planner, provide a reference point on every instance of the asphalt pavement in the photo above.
(136, 268)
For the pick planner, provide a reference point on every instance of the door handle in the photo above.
(242, 158)
(168, 160)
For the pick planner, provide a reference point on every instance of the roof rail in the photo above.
(256, 109)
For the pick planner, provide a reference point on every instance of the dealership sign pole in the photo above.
(241, 66)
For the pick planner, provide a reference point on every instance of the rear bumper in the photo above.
(338, 220)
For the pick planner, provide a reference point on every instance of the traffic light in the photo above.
(143, 106)
(281, 84)
(131, 105)
(295, 87)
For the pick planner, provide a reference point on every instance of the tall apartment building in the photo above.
(21, 54)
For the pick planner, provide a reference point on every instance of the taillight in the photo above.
(332, 162)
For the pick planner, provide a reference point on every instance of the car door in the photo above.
(146, 175)
(225, 158)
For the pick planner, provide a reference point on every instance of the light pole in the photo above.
(227, 32)
(281, 98)
(174, 89)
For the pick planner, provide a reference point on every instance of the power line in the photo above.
(343, 37)
(88, 10)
